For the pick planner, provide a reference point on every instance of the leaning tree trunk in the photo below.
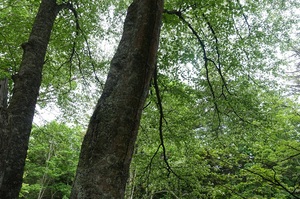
(16, 119)
(108, 145)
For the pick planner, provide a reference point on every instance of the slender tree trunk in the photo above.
(108, 145)
(16, 119)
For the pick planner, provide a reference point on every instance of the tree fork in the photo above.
(109, 142)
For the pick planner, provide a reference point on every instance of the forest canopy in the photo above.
(220, 119)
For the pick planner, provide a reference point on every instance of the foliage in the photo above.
(228, 130)
(51, 161)
(258, 159)
(75, 64)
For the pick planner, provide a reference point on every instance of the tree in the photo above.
(109, 142)
(16, 117)
(218, 56)
(51, 161)
(246, 160)
(18, 95)
(205, 124)
(224, 42)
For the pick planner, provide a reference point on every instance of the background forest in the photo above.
(222, 118)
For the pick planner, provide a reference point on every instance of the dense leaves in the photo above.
(228, 129)
(51, 161)
(75, 64)
(257, 159)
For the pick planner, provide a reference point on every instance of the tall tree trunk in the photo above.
(16, 119)
(3, 119)
(108, 145)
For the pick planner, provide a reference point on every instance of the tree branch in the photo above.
(71, 7)
(245, 17)
(161, 119)
(275, 182)
(217, 66)
(205, 58)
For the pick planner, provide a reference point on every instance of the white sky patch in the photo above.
(45, 115)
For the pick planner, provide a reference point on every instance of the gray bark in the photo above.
(3, 119)
(109, 142)
(3, 93)
(16, 119)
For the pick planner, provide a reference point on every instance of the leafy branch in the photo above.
(273, 181)
(70, 6)
(218, 65)
(161, 119)
(245, 17)
(205, 58)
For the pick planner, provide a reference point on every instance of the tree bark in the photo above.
(3, 93)
(3, 120)
(16, 119)
(109, 142)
